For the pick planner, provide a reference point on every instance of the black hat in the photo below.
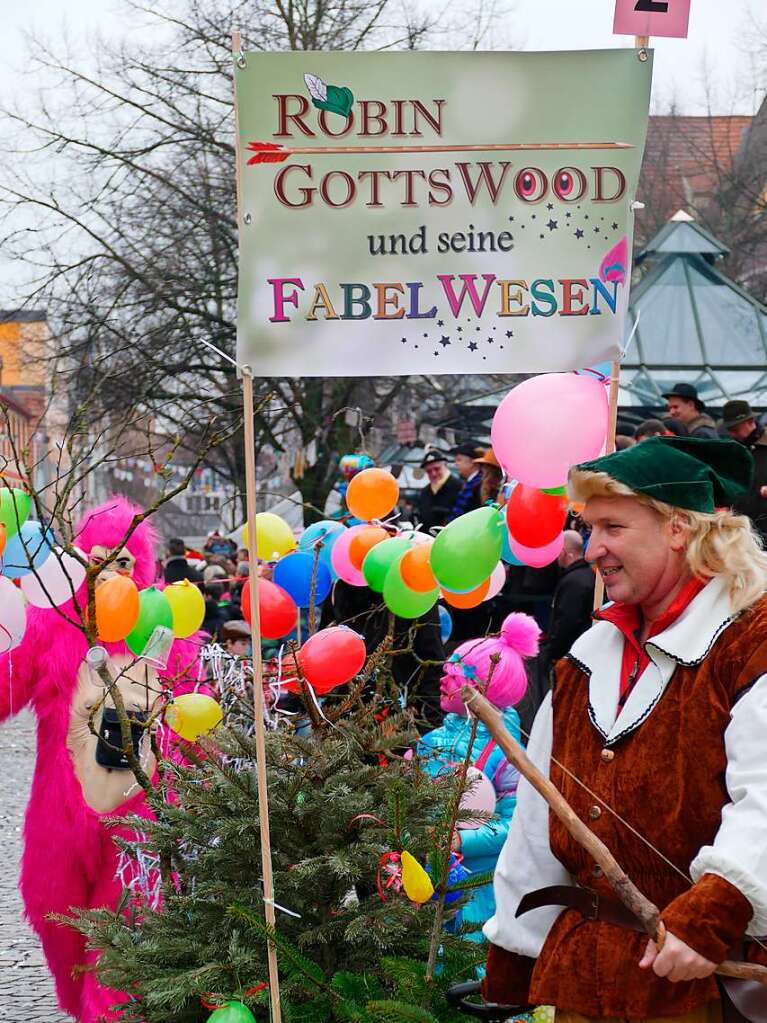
(433, 455)
(688, 392)
(736, 412)
(470, 448)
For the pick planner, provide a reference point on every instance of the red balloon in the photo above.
(278, 611)
(534, 518)
(332, 657)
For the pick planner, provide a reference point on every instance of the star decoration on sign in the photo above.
(509, 333)
(578, 233)
(444, 341)
(489, 340)
(552, 225)
(473, 346)
(404, 340)
(614, 226)
(568, 214)
(440, 323)
(549, 205)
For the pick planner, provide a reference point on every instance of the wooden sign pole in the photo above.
(641, 43)
(255, 625)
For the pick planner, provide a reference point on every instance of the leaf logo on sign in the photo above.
(335, 99)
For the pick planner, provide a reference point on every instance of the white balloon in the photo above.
(13, 615)
(497, 579)
(55, 581)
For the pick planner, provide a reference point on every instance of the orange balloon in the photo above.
(117, 608)
(466, 600)
(362, 542)
(3, 536)
(372, 494)
(415, 569)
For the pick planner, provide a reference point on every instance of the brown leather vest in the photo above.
(667, 780)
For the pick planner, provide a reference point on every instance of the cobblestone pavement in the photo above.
(26, 989)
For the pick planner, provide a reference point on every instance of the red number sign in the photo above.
(652, 18)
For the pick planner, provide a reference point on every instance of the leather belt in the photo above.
(589, 904)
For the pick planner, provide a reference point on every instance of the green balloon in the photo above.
(232, 1012)
(380, 558)
(404, 602)
(466, 552)
(559, 491)
(15, 506)
(154, 609)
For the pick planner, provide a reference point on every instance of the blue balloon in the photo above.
(445, 623)
(328, 531)
(293, 573)
(26, 550)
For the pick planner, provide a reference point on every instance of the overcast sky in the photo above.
(716, 52)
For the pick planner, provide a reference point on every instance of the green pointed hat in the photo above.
(338, 101)
(686, 472)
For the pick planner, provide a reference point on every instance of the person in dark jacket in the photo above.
(465, 462)
(685, 405)
(176, 566)
(573, 600)
(740, 422)
(436, 500)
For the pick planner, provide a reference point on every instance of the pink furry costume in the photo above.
(69, 857)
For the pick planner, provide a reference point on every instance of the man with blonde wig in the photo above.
(656, 733)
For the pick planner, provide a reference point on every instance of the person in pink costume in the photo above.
(70, 858)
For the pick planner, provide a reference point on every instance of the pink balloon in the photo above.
(339, 557)
(497, 580)
(537, 557)
(479, 798)
(548, 423)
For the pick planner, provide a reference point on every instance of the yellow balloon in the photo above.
(188, 607)
(415, 880)
(193, 715)
(274, 537)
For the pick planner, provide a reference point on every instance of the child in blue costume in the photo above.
(447, 745)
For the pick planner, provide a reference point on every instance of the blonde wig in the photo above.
(718, 544)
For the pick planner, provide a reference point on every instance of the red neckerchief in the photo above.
(628, 618)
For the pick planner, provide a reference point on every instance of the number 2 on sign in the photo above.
(651, 7)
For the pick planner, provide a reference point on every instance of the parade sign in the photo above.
(436, 212)
(652, 18)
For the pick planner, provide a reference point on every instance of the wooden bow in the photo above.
(645, 911)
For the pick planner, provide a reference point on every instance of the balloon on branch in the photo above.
(193, 715)
(445, 623)
(325, 532)
(404, 602)
(538, 557)
(533, 517)
(464, 601)
(274, 537)
(187, 605)
(548, 423)
(340, 560)
(331, 658)
(56, 581)
(26, 551)
(478, 800)
(415, 881)
(13, 616)
(154, 609)
(415, 568)
(232, 1012)
(497, 581)
(467, 550)
(364, 541)
(277, 609)
(3, 537)
(380, 558)
(117, 608)
(372, 494)
(294, 574)
(15, 506)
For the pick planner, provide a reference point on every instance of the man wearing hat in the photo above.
(654, 733)
(436, 500)
(685, 406)
(465, 462)
(740, 422)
